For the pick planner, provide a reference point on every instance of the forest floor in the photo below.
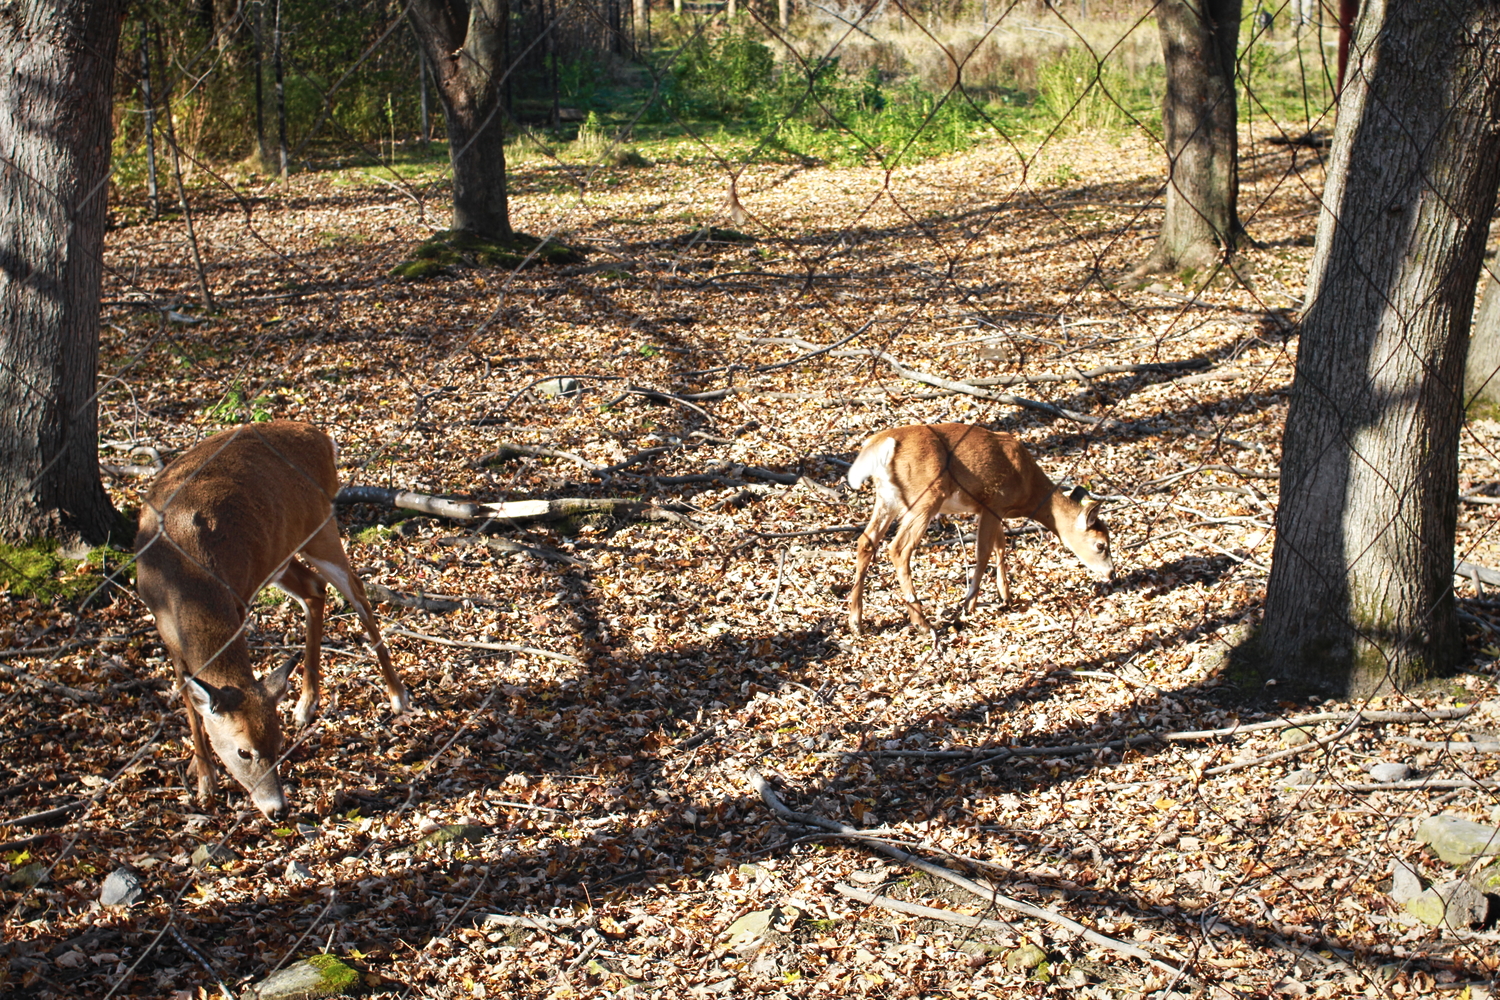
(1052, 751)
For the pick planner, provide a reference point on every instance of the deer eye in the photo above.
(245, 754)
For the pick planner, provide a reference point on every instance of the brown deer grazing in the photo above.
(928, 469)
(227, 517)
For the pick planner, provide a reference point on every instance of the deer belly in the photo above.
(959, 502)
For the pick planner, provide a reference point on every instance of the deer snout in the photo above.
(270, 799)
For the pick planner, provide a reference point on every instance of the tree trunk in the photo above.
(1360, 597)
(283, 167)
(465, 45)
(148, 106)
(55, 117)
(1482, 367)
(1198, 40)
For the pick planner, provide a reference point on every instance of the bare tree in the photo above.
(1361, 590)
(1202, 223)
(55, 122)
(466, 44)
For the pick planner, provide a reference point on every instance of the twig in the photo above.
(1231, 469)
(499, 647)
(17, 674)
(1412, 783)
(1471, 571)
(926, 912)
(983, 891)
(548, 924)
(12, 654)
(965, 388)
(837, 529)
(48, 817)
(508, 546)
(776, 590)
(506, 452)
(1317, 744)
(188, 947)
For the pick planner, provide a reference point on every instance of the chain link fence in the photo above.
(646, 755)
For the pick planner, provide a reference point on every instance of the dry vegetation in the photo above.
(612, 792)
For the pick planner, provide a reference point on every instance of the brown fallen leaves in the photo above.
(611, 793)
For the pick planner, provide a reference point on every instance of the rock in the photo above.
(1300, 778)
(1406, 884)
(27, 876)
(448, 834)
(749, 928)
(1458, 841)
(452, 832)
(1487, 879)
(319, 976)
(1456, 904)
(558, 387)
(1028, 956)
(122, 888)
(296, 871)
(1390, 772)
(1296, 737)
(213, 856)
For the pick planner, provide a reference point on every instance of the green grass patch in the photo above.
(236, 407)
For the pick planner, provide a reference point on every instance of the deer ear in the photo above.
(1079, 494)
(1090, 515)
(278, 680)
(209, 700)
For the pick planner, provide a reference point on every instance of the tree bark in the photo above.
(1360, 597)
(465, 45)
(1482, 367)
(55, 122)
(1202, 224)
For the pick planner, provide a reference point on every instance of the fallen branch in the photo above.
(1317, 744)
(1471, 571)
(1451, 746)
(966, 388)
(982, 890)
(514, 511)
(926, 912)
(419, 601)
(1074, 375)
(499, 647)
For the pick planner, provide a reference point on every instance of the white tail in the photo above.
(929, 469)
(227, 517)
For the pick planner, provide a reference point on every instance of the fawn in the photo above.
(928, 469)
(230, 515)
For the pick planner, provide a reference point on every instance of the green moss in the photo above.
(337, 976)
(1481, 409)
(455, 248)
(38, 570)
(375, 533)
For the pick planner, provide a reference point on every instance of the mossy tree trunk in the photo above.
(466, 44)
(1361, 590)
(1202, 223)
(55, 122)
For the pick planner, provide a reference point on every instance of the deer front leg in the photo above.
(203, 764)
(989, 529)
(307, 588)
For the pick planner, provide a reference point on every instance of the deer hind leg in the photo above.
(990, 531)
(307, 587)
(325, 554)
(908, 535)
(864, 553)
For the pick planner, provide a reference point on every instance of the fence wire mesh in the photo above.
(789, 228)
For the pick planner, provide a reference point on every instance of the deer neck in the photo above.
(1056, 509)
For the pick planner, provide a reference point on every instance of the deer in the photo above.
(924, 470)
(244, 508)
